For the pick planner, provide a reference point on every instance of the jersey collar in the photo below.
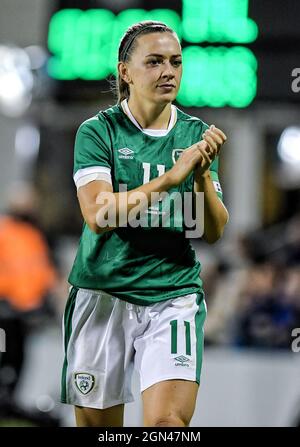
(151, 132)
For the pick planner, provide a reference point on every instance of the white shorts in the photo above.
(105, 338)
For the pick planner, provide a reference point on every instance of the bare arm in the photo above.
(215, 213)
(96, 208)
(98, 201)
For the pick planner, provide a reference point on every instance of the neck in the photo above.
(150, 115)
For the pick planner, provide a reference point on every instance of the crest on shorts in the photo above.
(176, 154)
(84, 382)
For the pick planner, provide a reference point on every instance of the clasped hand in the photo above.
(213, 138)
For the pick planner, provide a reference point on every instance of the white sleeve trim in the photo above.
(84, 176)
(91, 177)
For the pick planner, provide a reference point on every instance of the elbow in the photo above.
(219, 230)
(212, 239)
(99, 222)
(93, 225)
(213, 236)
(216, 229)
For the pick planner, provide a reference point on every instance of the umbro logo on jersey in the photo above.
(126, 153)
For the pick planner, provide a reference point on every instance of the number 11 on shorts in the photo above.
(174, 327)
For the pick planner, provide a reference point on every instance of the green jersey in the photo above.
(151, 262)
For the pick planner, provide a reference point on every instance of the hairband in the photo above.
(129, 43)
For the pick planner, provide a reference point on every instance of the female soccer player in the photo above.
(136, 298)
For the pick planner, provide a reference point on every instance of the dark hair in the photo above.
(128, 45)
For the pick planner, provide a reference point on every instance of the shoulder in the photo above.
(190, 120)
(100, 121)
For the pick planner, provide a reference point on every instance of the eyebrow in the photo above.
(161, 55)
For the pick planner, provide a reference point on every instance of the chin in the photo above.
(165, 98)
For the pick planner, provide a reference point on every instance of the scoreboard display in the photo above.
(234, 51)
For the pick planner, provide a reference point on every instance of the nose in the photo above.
(168, 70)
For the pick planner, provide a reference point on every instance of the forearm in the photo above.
(215, 213)
(117, 208)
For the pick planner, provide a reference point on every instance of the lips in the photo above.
(166, 85)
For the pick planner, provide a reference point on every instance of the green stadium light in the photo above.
(85, 43)
(217, 77)
(217, 21)
(84, 46)
(81, 42)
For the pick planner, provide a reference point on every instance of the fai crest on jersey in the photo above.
(176, 154)
(84, 382)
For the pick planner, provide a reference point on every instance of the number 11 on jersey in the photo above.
(146, 166)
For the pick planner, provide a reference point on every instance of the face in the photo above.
(155, 68)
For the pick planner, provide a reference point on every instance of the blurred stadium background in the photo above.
(242, 73)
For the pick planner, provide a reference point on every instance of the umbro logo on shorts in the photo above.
(126, 153)
(182, 361)
(84, 382)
